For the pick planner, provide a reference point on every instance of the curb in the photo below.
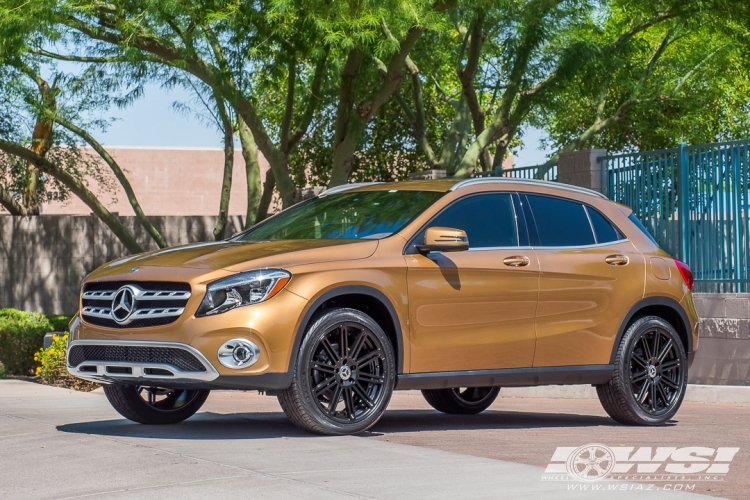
(695, 393)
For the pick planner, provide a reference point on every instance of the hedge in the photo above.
(21, 336)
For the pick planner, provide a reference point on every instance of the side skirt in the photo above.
(510, 377)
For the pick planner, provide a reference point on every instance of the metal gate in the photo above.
(695, 201)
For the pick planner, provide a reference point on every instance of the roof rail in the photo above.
(530, 182)
(347, 187)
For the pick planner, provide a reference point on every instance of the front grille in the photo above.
(179, 358)
(154, 303)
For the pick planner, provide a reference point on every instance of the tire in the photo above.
(167, 406)
(335, 390)
(462, 400)
(650, 377)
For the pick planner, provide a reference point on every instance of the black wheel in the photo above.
(650, 375)
(462, 400)
(152, 405)
(344, 376)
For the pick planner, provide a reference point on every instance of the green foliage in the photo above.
(59, 322)
(684, 79)
(21, 335)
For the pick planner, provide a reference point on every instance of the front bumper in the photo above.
(270, 325)
(134, 367)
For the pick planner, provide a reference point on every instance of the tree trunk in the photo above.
(41, 140)
(79, 189)
(226, 183)
(252, 171)
(113, 165)
(266, 197)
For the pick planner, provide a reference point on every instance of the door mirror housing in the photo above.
(444, 239)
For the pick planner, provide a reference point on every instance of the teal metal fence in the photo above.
(695, 200)
(546, 172)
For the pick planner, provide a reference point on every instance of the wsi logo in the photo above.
(596, 462)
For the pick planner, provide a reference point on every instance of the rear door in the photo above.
(590, 276)
(474, 309)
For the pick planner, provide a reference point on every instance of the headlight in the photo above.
(241, 290)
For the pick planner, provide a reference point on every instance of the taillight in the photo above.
(686, 273)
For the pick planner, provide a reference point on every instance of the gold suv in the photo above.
(455, 288)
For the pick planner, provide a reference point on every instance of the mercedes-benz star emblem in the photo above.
(123, 304)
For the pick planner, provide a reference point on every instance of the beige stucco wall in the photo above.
(169, 181)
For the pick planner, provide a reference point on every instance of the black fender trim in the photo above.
(509, 377)
(338, 292)
(654, 301)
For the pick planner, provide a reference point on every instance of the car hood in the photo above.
(242, 256)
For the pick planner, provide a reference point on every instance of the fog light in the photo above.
(238, 353)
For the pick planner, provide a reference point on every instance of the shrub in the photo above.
(21, 335)
(53, 366)
(59, 322)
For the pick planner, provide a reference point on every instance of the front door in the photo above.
(474, 310)
(589, 277)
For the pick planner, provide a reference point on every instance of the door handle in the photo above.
(516, 261)
(616, 260)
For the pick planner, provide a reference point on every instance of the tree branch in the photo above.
(79, 189)
(392, 78)
(312, 103)
(286, 121)
(10, 203)
(120, 175)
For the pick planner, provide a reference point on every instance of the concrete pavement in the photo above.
(56, 443)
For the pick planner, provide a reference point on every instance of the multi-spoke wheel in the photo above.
(344, 375)
(153, 405)
(650, 376)
(462, 400)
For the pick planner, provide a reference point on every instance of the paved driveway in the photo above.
(56, 443)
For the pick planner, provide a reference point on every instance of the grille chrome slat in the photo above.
(97, 312)
(169, 303)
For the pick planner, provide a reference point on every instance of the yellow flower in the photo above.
(36, 357)
(38, 371)
(65, 337)
(55, 338)
(51, 351)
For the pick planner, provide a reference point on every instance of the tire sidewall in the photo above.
(320, 326)
(477, 406)
(623, 366)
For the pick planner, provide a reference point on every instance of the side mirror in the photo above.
(444, 239)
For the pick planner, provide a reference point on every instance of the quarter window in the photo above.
(488, 220)
(605, 232)
(560, 223)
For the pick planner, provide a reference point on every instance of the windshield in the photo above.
(367, 214)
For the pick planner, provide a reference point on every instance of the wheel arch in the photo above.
(664, 307)
(368, 300)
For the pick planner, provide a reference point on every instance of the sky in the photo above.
(152, 122)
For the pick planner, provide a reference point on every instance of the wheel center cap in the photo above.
(345, 372)
(651, 371)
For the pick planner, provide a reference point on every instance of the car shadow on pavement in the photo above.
(265, 425)
(400, 421)
(202, 426)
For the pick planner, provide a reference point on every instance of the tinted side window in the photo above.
(603, 229)
(488, 219)
(560, 223)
